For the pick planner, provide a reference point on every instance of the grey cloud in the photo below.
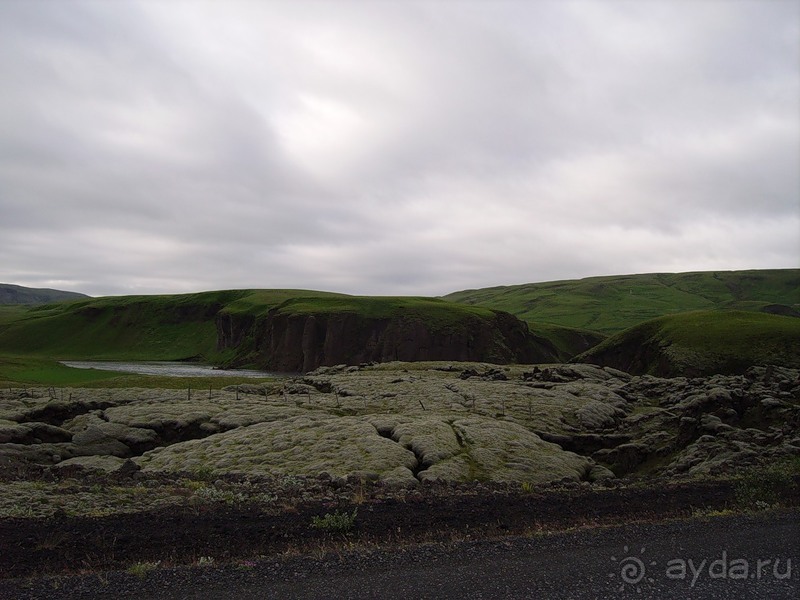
(393, 147)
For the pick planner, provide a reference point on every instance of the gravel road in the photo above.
(753, 556)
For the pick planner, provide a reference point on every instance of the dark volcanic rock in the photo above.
(303, 342)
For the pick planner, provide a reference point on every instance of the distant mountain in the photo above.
(611, 304)
(16, 294)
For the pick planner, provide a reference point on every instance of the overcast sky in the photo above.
(394, 147)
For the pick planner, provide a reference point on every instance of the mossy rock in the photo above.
(502, 451)
(106, 464)
(305, 445)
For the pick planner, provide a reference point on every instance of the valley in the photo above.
(394, 421)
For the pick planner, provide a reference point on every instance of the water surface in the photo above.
(164, 368)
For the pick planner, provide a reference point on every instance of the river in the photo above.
(165, 368)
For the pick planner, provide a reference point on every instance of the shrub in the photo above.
(759, 488)
(140, 569)
(338, 522)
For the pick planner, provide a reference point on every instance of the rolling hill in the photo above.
(283, 330)
(17, 294)
(611, 304)
(701, 343)
(744, 318)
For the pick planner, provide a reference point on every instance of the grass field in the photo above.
(612, 304)
(26, 370)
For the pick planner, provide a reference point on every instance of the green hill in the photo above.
(701, 343)
(612, 304)
(167, 327)
(291, 330)
(17, 294)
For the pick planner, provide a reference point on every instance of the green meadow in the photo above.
(611, 304)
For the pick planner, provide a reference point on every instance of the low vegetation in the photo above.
(764, 487)
(611, 304)
(335, 522)
(702, 343)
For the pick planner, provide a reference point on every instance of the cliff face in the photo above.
(303, 342)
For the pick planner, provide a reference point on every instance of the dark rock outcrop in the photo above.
(291, 342)
(781, 309)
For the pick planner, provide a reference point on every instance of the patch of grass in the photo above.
(141, 569)
(259, 302)
(203, 473)
(336, 522)
(26, 499)
(761, 488)
(27, 370)
(710, 513)
(31, 370)
(213, 494)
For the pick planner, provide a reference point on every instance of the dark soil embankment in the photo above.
(33, 547)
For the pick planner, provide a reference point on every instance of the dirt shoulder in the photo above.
(639, 559)
(233, 532)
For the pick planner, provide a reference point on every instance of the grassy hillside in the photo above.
(438, 314)
(568, 341)
(127, 328)
(612, 304)
(180, 327)
(17, 294)
(170, 327)
(701, 343)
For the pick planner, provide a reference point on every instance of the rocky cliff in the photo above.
(290, 342)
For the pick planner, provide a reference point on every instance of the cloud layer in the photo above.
(394, 147)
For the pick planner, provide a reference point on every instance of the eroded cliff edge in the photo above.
(291, 342)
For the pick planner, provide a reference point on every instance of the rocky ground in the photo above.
(397, 451)
(406, 423)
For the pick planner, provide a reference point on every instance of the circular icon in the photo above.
(632, 570)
